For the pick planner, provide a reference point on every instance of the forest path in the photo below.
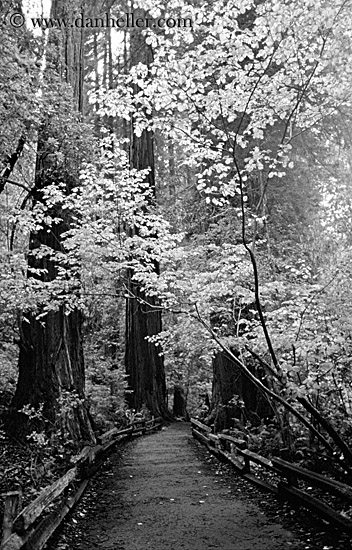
(160, 492)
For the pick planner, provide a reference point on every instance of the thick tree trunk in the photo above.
(234, 396)
(51, 367)
(51, 364)
(180, 405)
(144, 365)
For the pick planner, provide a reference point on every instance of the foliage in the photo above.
(50, 445)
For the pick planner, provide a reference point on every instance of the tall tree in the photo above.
(51, 365)
(144, 364)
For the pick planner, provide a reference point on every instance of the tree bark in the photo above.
(144, 366)
(180, 405)
(229, 382)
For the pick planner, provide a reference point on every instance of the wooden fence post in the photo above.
(247, 464)
(13, 503)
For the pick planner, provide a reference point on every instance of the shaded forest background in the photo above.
(176, 224)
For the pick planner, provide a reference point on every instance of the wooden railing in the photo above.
(34, 525)
(233, 451)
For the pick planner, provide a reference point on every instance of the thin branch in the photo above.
(264, 363)
(255, 272)
(18, 184)
(11, 163)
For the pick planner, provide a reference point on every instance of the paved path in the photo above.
(163, 495)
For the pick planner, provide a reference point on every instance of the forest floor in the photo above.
(165, 491)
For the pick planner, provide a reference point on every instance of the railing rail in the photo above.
(232, 450)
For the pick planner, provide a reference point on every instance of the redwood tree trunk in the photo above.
(229, 383)
(144, 365)
(51, 365)
(180, 405)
